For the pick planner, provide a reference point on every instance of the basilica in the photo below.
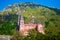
(24, 28)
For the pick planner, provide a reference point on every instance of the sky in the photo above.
(49, 3)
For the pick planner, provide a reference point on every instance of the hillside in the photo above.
(33, 5)
(56, 10)
(41, 14)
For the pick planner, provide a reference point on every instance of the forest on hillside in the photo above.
(41, 14)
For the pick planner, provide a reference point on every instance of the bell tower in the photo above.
(20, 22)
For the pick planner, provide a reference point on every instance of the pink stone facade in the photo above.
(26, 27)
